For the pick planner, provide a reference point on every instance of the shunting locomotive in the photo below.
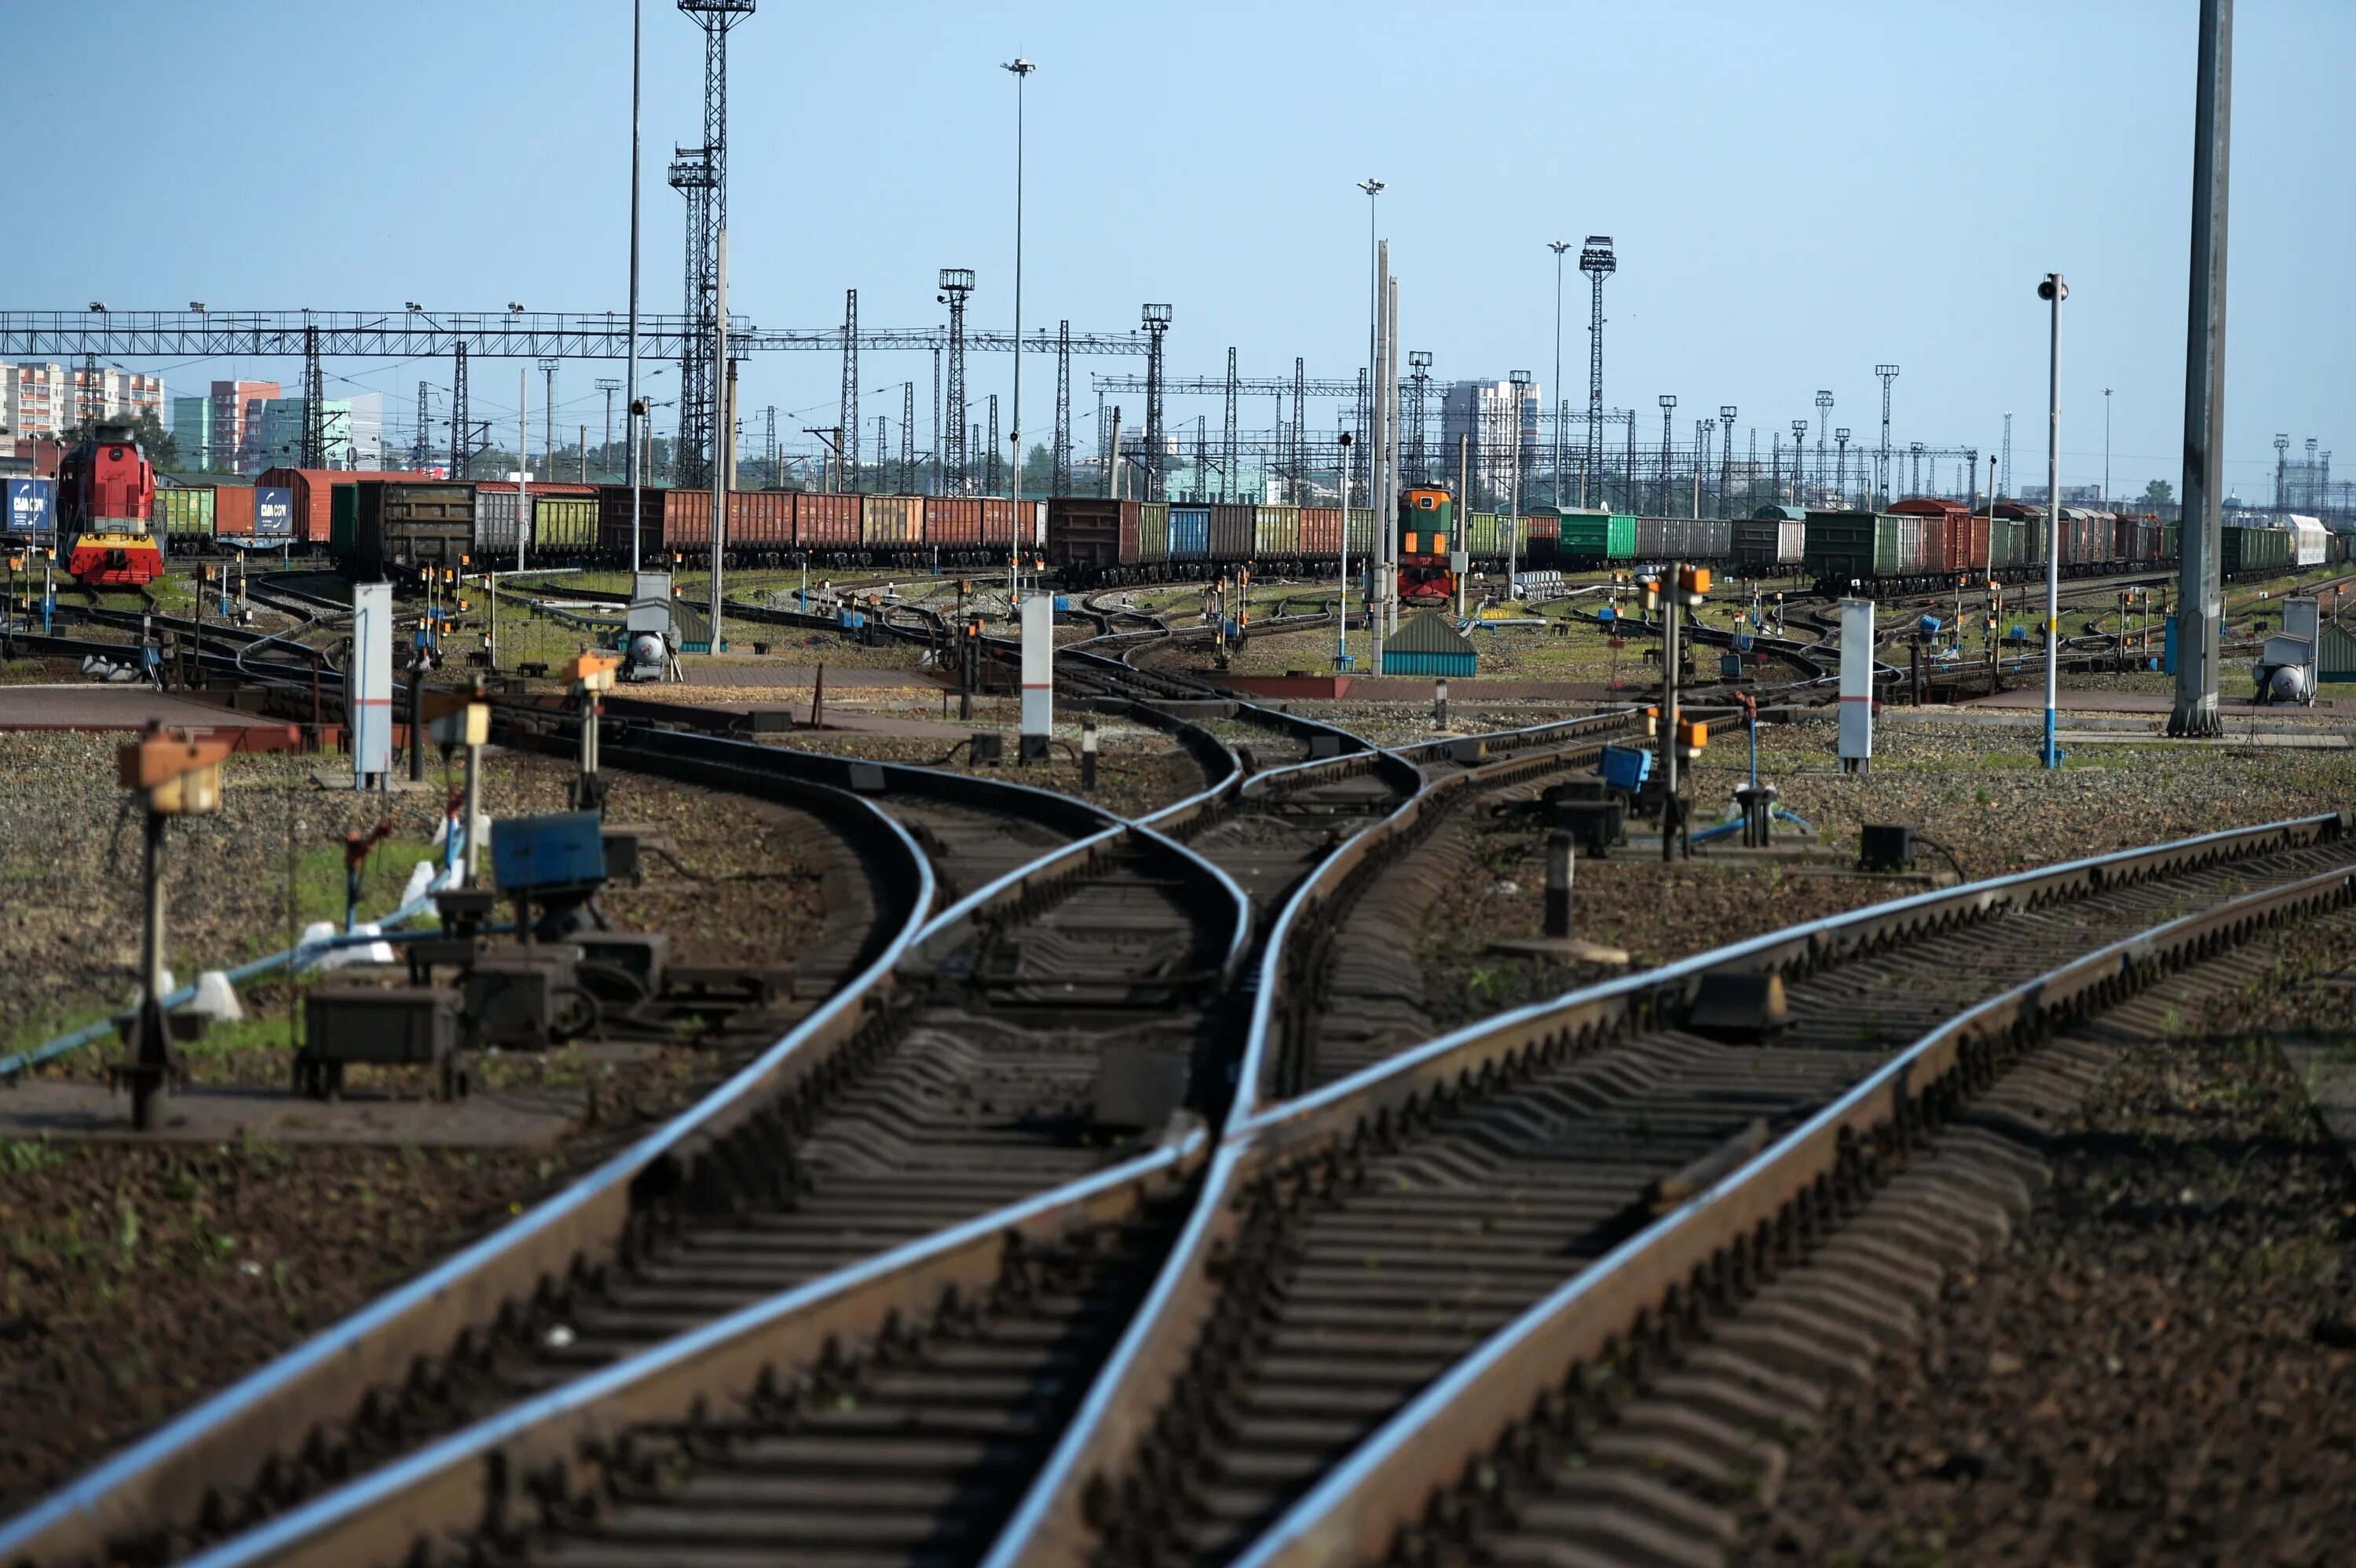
(106, 497)
(1427, 524)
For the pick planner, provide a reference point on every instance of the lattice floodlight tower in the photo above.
(1882, 478)
(1725, 454)
(1156, 320)
(1596, 261)
(1824, 417)
(957, 282)
(706, 190)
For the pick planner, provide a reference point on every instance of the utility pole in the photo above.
(1668, 436)
(957, 283)
(1840, 468)
(2197, 600)
(1560, 248)
(1155, 318)
(2054, 291)
(1799, 461)
(1022, 69)
(1824, 417)
(1511, 520)
(846, 411)
(609, 386)
(1419, 364)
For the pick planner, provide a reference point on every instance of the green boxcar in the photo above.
(1840, 545)
(1153, 530)
(185, 512)
(1483, 538)
(1597, 536)
(1362, 531)
(564, 523)
(343, 520)
(1276, 532)
(2253, 550)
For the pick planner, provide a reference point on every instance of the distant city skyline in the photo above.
(1882, 225)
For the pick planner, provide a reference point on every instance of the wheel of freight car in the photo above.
(576, 1012)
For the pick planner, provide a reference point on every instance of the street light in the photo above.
(1725, 454)
(1520, 380)
(1372, 187)
(1022, 69)
(1560, 247)
(2054, 291)
(2106, 447)
(197, 305)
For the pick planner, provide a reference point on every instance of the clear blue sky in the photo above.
(1796, 192)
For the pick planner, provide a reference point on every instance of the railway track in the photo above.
(1355, 1244)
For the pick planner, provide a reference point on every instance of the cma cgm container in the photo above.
(313, 489)
(184, 511)
(1231, 533)
(1595, 536)
(1276, 531)
(399, 525)
(1152, 531)
(1088, 532)
(825, 522)
(1769, 544)
(1320, 532)
(891, 522)
(1190, 533)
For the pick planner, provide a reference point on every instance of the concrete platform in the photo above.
(92, 708)
(2160, 702)
(37, 1107)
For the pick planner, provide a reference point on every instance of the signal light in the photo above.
(1693, 735)
(1694, 582)
(1652, 722)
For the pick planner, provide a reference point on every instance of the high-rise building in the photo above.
(1484, 412)
(40, 401)
(236, 418)
(192, 428)
(352, 427)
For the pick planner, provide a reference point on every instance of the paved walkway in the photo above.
(92, 707)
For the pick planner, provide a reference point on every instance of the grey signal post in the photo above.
(2198, 605)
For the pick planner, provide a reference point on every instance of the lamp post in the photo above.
(1726, 455)
(1372, 187)
(1559, 247)
(2104, 503)
(1342, 483)
(1022, 69)
(2054, 291)
(1520, 381)
(632, 409)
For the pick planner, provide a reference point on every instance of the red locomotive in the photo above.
(106, 495)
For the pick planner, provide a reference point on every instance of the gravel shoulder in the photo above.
(2161, 1368)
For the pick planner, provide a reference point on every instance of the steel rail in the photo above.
(219, 1446)
(1357, 1511)
(1051, 1525)
(574, 1431)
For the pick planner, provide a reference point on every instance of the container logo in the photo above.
(274, 512)
(29, 505)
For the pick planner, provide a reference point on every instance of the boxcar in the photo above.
(400, 526)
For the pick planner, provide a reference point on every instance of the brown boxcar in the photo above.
(760, 519)
(1321, 530)
(1231, 533)
(314, 491)
(1091, 532)
(670, 521)
(957, 520)
(413, 525)
(823, 521)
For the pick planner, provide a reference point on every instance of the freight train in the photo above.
(106, 497)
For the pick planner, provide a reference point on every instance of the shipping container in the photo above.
(1190, 533)
(824, 521)
(1085, 532)
(891, 522)
(1276, 532)
(1321, 532)
(313, 490)
(233, 511)
(1152, 531)
(184, 511)
(400, 524)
